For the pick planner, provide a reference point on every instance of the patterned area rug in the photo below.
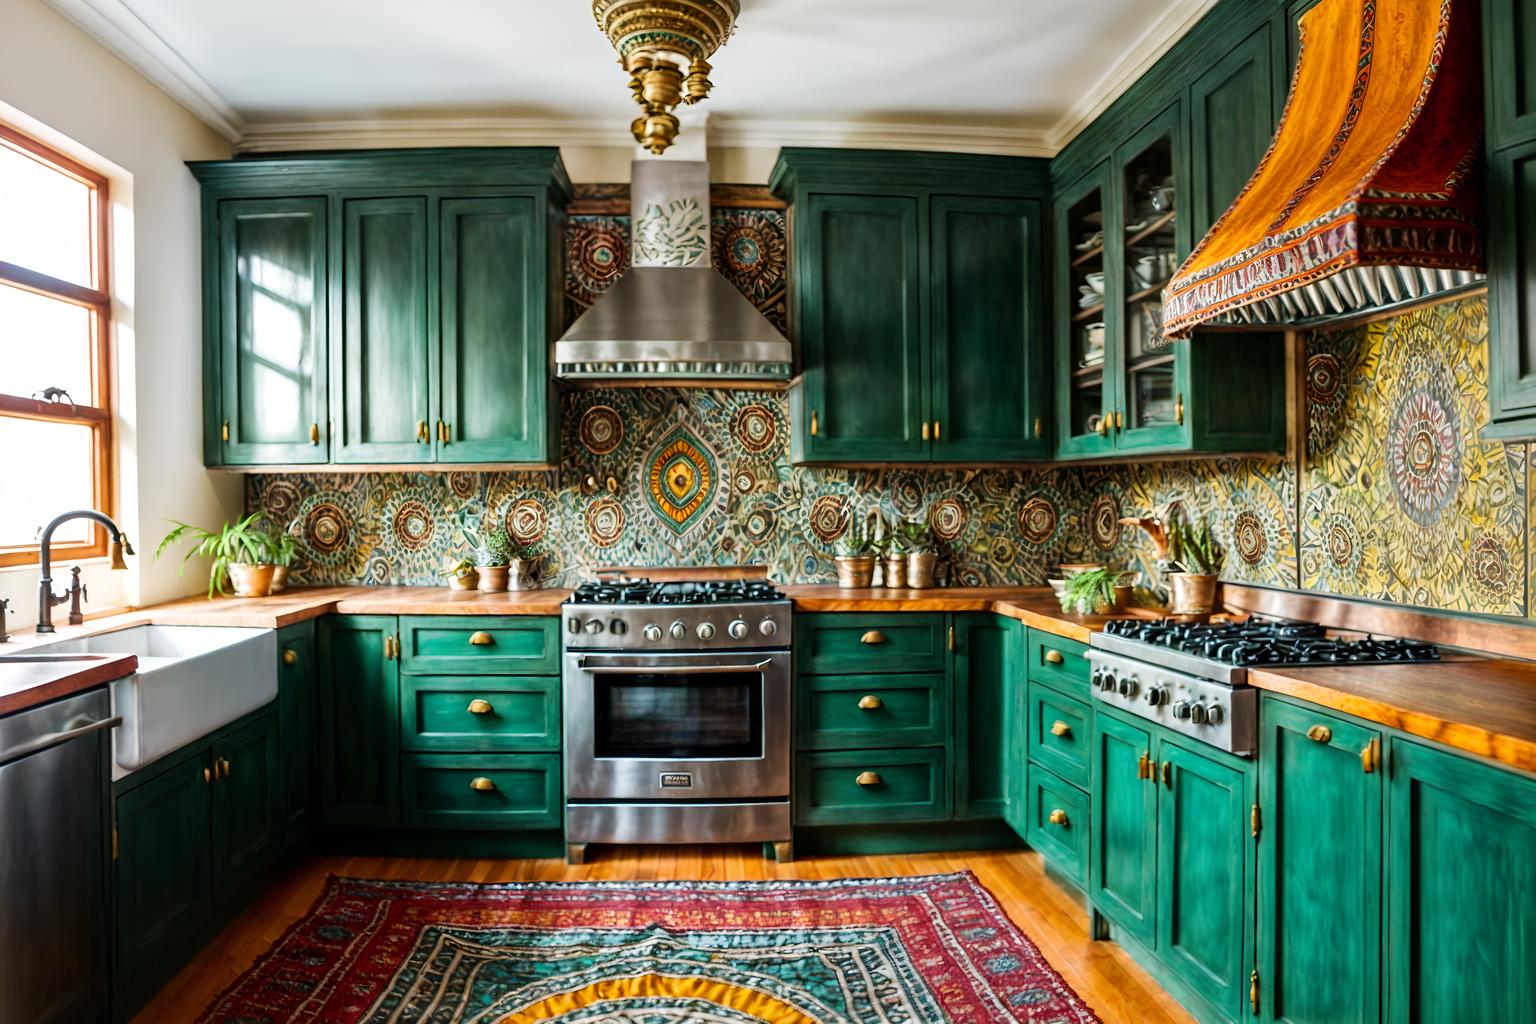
(923, 950)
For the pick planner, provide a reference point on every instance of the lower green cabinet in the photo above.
(984, 653)
(297, 707)
(1057, 823)
(857, 710)
(483, 790)
(247, 800)
(1123, 859)
(359, 698)
(1320, 868)
(871, 787)
(1049, 730)
(1461, 889)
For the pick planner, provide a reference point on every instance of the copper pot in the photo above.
(854, 572)
(251, 580)
(896, 571)
(1193, 593)
(920, 565)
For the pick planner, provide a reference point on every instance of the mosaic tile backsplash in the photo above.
(1393, 497)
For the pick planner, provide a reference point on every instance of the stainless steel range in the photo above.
(1193, 679)
(677, 714)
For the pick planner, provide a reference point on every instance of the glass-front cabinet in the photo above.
(1087, 396)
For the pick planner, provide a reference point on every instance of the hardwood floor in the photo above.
(1101, 972)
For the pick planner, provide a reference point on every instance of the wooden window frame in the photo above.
(97, 299)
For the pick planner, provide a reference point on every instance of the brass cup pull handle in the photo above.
(874, 636)
(1104, 424)
(1319, 734)
(221, 769)
(1369, 758)
(868, 779)
(1168, 774)
(1119, 420)
(421, 431)
(480, 706)
(1054, 658)
(481, 784)
(1057, 817)
(480, 638)
(1143, 769)
(869, 702)
(290, 657)
(1060, 728)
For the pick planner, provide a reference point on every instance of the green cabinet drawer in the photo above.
(1060, 734)
(526, 645)
(467, 713)
(1058, 662)
(843, 642)
(896, 786)
(482, 790)
(857, 711)
(1056, 823)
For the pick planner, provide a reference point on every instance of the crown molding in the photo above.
(1157, 40)
(934, 136)
(112, 24)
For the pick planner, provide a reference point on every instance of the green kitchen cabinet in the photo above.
(382, 307)
(985, 661)
(382, 363)
(1320, 867)
(1123, 838)
(1085, 390)
(297, 709)
(917, 305)
(1461, 888)
(247, 807)
(871, 787)
(1509, 62)
(1229, 133)
(359, 699)
(266, 321)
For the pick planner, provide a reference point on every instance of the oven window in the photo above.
(689, 717)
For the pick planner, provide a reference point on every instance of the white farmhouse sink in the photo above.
(191, 680)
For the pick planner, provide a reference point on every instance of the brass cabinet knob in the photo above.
(481, 784)
(225, 432)
(868, 779)
(1143, 767)
(1178, 409)
(207, 775)
(869, 702)
(314, 433)
(1319, 734)
(480, 638)
(1039, 426)
(421, 431)
(925, 430)
(1168, 774)
(480, 706)
(221, 769)
(874, 636)
(814, 424)
(1104, 422)
(290, 657)
(1059, 728)
(1057, 817)
(1370, 756)
(935, 430)
(1119, 420)
(1054, 657)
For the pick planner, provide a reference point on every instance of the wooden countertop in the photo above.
(1484, 706)
(1036, 607)
(30, 680)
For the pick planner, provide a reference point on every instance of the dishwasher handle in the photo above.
(53, 739)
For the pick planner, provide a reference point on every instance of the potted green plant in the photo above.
(523, 569)
(238, 551)
(461, 575)
(893, 557)
(280, 547)
(854, 558)
(1194, 564)
(921, 556)
(1094, 592)
(492, 557)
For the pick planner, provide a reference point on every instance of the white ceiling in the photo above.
(1029, 69)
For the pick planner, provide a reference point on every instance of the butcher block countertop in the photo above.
(31, 680)
(1481, 705)
(1036, 607)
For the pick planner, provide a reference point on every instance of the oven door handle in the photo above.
(591, 665)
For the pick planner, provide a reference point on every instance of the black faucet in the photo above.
(46, 598)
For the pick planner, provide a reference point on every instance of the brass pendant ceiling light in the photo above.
(655, 39)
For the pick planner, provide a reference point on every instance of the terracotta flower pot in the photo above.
(249, 580)
(523, 574)
(493, 578)
(1193, 593)
(854, 572)
(920, 566)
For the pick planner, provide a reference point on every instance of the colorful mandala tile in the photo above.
(682, 482)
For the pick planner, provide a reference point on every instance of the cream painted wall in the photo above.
(58, 82)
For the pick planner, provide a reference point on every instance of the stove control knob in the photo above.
(1197, 713)
(706, 631)
(1213, 715)
(737, 629)
(767, 627)
(678, 630)
(652, 632)
(594, 626)
(1104, 679)
(1181, 709)
(618, 627)
(1129, 685)
(1156, 695)
(573, 625)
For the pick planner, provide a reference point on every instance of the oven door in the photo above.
(677, 726)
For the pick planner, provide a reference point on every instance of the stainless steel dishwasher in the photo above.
(54, 823)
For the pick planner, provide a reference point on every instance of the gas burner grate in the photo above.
(645, 592)
(1268, 642)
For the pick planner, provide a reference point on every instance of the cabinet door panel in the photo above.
(1123, 840)
(988, 335)
(1204, 848)
(297, 708)
(494, 381)
(163, 885)
(385, 371)
(1461, 889)
(986, 670)
(1512, 282)
(1229, 129)
(359, 721)
(272, 331)
(1319, 866)
(1509, 35)
(245, 811)
(861, 326)
(1085, 357)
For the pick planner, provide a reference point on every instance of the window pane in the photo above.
(44, 342)
(45, 219)
(55, 461)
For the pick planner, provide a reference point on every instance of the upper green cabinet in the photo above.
(918, 305)
(381, 307)
(1228, 134)
(1509, 82)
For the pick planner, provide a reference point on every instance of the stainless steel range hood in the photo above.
(672, 316)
